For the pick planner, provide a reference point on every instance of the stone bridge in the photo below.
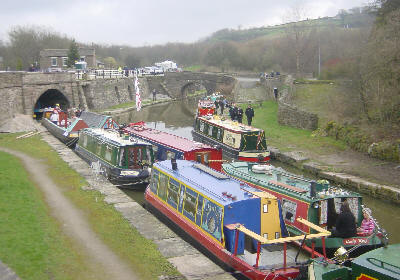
(25, 92)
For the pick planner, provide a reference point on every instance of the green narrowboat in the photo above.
(123, 160)
(379, 264)
(318, 202)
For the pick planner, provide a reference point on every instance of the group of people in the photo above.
(235, 112)
(346, 225)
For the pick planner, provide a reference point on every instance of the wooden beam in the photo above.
(313, 226)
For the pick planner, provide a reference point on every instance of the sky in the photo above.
(151, 22)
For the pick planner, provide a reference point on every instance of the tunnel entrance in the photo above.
(50, 98)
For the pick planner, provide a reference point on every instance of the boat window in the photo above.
(210, 129)
(162, 186)
(189, 206)
(170, 155)
(154, 180)
(122, 157)
(277, 235)
(201, 126)
(289, 210)
(108, 153)
(384, 265)
(265, 235)
(173, 191)
(211, 220)
(219, 134)
(98, 149)
(265, 208)
(85, 140)
(199, 210)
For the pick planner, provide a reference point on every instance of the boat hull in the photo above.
(60, 133)
(215, 248)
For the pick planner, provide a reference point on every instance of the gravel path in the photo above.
(73, 221)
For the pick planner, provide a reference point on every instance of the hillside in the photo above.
(241, 35)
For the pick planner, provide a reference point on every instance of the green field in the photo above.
(288, 138)
(31, 241)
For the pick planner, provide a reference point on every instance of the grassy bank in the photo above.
(57, 257)
(286, 138)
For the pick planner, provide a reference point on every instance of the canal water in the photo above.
(178, 117)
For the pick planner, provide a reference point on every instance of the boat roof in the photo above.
(167, 139)
(229, 124)
(113, 137)
(213, 184)
(289, 183)
(384, 260)
(94, 120)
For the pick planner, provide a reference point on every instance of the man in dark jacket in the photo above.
(249, 114)
(240, 115)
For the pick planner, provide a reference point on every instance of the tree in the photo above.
(110, 62)
(73, 54)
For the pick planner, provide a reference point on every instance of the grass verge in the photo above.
(112, 228)
(286, 138)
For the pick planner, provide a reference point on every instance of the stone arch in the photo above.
(193, 86)
(48, 99)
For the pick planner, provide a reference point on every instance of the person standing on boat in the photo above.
(222, 103)
(54, 118)
(235, 112)
(240, 115)
(154, 92)
(249, 114)
(346, 223)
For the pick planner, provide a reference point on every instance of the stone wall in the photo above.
(292, 116)
(10, 95)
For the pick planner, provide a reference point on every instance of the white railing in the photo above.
(93, 74)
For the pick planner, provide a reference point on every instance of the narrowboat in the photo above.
(238, 141)
(238, 225)
(167, 146)
(315, 201)
(95, 120)
(206, 107)
(382, 263)
(67, 131)
(124, 161)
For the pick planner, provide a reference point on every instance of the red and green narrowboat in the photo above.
(237, 140)
(318, 202)
(167, 146)
(237, 224)
(379, 264)
(126, 162)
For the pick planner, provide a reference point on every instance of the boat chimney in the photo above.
(313, 188)
(174, 164)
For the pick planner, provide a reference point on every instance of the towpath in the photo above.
(73, 221)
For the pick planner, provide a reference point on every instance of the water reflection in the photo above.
(177, 118)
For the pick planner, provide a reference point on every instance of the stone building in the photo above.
(56, 59)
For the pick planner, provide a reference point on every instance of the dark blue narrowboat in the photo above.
(125, 162)
(239, 225)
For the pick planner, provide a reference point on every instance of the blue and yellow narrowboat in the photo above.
(239, 225)
(124, 161)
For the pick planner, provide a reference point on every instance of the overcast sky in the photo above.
(149, 22)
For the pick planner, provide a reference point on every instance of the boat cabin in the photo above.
(237, 140)
(122, 160)
(168, 146)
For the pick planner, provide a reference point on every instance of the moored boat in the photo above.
(124, 161)
(318, 202)
(237, 140)
(67, 131)
(382, 263)
(239, 225)
(167, 146)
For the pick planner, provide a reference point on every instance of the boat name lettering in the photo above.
(355, 241)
